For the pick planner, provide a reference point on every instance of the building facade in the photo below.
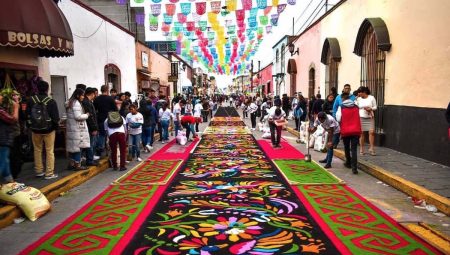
(281, 79)
(394, 48)
(105, 54)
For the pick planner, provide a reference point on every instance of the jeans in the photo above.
(90, 150)
(205, 114)
(159, 132)
(177, 127)
(165, 129)
(274, 128)
(48, 140)
(135, 144)
(114, 139)
(75, 156)
(189, 129)
(101, 141)
(350, 148)
(330, 151)
(253, 119)
(148, 135)
(4, 163)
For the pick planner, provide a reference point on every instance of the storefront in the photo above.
(30, 33)
(25, 43)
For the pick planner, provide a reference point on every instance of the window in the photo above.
(331, 73)
(312, 82)
(277, 56)
(283, 54)
(373, 62)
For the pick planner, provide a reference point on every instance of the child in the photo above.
(134, 122)
(115, 126)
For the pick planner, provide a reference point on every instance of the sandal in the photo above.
(372, 152)
(362, 153)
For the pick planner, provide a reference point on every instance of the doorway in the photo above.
(312, 82)
(59, 93)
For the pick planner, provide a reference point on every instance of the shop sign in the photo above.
(35, 40)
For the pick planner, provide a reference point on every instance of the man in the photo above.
(317, 106)
(153, 98)
(348, 117)
(275, 114)
(158, 105)
(104, 104)
(286, 105)
(43, 133)
(177, 115)
(88, 106)
(338, 100)
(332, 127)
(148, 128)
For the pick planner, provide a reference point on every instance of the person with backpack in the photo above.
(348, 117)
(116, 129)
(43, 120)
(332, 127)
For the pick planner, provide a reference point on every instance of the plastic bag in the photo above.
(31, 201)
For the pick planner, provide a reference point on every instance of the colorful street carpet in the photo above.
(286, 151)
(229, 198)
(172, 150)
(302, 172)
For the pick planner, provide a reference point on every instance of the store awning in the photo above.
(38, 24)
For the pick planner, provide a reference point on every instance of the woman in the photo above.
(134, 122)
(367, 105)
(7, 125)
(77, 134)
(328, 105)
(252, 108)
(198, 108)
(164, 118)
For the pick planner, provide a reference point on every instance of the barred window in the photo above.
(312, 82)
(331, 73)
(373, 62)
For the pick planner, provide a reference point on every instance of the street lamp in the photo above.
(291, 47)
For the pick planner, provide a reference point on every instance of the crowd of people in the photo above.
(97, 125)
(348, 116)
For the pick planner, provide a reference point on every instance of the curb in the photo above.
(408, 187)
(9, 212)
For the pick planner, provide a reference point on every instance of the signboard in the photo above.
(144, 59)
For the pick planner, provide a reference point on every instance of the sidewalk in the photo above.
(415, 176)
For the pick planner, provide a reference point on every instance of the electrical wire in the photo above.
(96, 30)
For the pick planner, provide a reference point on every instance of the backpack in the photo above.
(39, 118)
(350, 122)
(114, 120)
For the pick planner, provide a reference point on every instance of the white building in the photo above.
(281, 79)
(104, 54)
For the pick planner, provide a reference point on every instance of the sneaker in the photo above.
(127, 161)
(96, 157)
(323, 161)
(139, 159)
(163, 142)
(327, 166)
(355, 171)
(123, 169)
(53, 176)
(40, 174)
(347, 165)
(149, 148)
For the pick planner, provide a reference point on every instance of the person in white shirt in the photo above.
(276, 114)
(164, 118)
(264, 106)
(332, 127)
(252, 108)
(117, 135)
(367, 105)
(134, 122)
(177, 115)
(198, 114)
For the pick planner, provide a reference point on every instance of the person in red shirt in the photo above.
(348, 116)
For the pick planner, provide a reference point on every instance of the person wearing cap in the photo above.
(332, 127)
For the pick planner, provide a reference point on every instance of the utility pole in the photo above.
(326, 5)
(259, 76)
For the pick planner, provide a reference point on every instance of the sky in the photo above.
(304, 12)
(300, 12)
